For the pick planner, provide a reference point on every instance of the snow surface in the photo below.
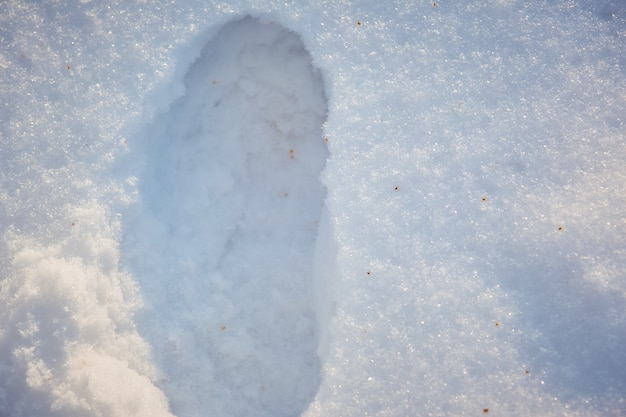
(237, 208)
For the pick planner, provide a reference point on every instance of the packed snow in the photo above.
(264, 208)
(227, 268)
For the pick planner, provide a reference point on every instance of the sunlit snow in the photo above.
(333, 208)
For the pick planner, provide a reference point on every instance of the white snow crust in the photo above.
(329, 208)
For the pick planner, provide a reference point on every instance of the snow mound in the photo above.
(223, 242)
(68, 336)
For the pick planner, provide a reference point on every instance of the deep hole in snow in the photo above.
(223, 243)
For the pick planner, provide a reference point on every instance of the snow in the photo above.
(228, 268)
(312, 208)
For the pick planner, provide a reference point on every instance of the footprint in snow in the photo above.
(222, 246)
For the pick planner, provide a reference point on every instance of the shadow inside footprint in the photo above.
(223, 243)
